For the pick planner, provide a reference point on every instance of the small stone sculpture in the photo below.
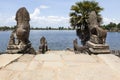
(78, 48)
(43, 45)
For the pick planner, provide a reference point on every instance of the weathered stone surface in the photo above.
(26, 58)
(79, 58)
(112, 61)
(66, 74)
(48, 57)
(45, 74)
(5, 59)
(99, 72)
(21, 63)
(35, 65)
(53, 65)
(17, 66)
(15, 75)
(62, 67)
(64, 52)
(5, 74)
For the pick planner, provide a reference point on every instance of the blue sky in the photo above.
(52, 12)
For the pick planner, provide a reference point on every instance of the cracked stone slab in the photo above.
(5, 59)
(26, 58)
(17, 66)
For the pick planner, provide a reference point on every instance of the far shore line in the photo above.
(60, 30)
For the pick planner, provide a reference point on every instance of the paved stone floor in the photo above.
(59, 65)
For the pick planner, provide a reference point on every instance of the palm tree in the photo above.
(79, 16)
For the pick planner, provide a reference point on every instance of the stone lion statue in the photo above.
(23, 26)
(22, 31)
(97, 34)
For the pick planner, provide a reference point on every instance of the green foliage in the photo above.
(79, 18)
(80, 11)
(112, 26)
(4, 28)
(118, 26)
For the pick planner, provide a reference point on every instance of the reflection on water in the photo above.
(57, 39)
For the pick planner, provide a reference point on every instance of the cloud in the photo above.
(11, 20)
(36, 13)
(42, 21)
(108, 20)
(7, 21)
(37, 20)
(43, 7)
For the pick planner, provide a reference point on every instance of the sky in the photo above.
(54, 13)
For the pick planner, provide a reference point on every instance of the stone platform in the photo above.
(59, 65)
(98, 48)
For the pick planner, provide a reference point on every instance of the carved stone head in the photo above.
(92, 20)
(22, 15)
(23, 26)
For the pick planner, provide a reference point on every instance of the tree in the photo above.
(118, 26)
(111, 26)
(79, 15)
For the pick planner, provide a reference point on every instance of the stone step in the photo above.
(12, 51)
(99, 49)
(97, 46)
(106, 51)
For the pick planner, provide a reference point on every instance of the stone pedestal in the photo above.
(12, 49)
(98, 48)
(94, 39)
(18, 49)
